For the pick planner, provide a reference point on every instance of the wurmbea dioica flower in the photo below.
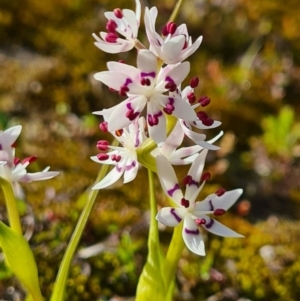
(193, 213)
(124, 158)
(175, 45)
(124, 22)
(13, 169)
(145, 86)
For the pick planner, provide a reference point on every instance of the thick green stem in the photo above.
(173, 255)
(11, 205)
(61, 279)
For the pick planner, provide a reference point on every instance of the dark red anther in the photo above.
(116, 158)
(202, 115)
(14, 145)
(194, 82)
(171, 86)
(219, 212)
(118, 13)
(29, 160)
(103, 145)
(111, 26)
(121, 61)
(123, 90)
(119, 132)
(200, 221)
(102, 157)
(145, 82)
(185, 203)
(205, 176)
(204, 101)
(16, 161)
(187, 180)
(111, 37)
(220, 191)
(103, 126)
(208, 121)
(191, 97)
(112, 89)
(171, 27)
(165, 30)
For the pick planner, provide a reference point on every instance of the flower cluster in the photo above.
(153, 88)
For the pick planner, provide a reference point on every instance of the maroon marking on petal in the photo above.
(118, 13)
(178, 218)
(220, 191)
(132, 165)
(194, 82)
(209, 224)
(146, 74)
(194, 232)
(211, 206)
(172, 190)
(219, 212)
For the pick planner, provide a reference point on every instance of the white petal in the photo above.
(179, 73)
(157, 132)
(172, 49)
(173, 140)
(201, 126)
(170, 217)
(131, 170)
(128, 70)
(168, 179)
(192, 237)
(120, 46)
(213, 202)
(38, 176)
(217, 228)
(112, 177)
(183, 110)
(190, 50)
(195, 172)
(112, 79)
(146, 61)
(133, 23)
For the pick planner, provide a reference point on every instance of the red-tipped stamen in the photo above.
(202, 115)
(102, 157)
(200, 221)
(118, 13)
(191, 97)
(194, 82)
(171, 27)
(204, 101)
(220, 191)
(208, 121)
(103, 145)
(111, 26)
(111, 37)
(29, 160)
(187, 180)
(219, 212)
(205, 176)
(185, 203)
(103, 126)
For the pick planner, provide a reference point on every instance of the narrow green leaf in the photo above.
(19, 257)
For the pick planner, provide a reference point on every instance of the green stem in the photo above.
(61, 279)
(11, 205)
(173, 255)
(153, 231)
(175, 11)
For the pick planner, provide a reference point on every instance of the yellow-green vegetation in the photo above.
(247, 65)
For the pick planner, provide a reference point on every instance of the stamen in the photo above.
(17, 161)
(219, 212)
(103, 126)
(205, 176)
(202, 115)
(118, 13)
(194, 82)
(29, 160)
(119, 132)
(191, 97)
(103, 145)
(220, 191)
(116, 158)
(187, 180)
(200, 221)
(111, 26)
(171, 86)
(185, 203)
(208, 121)
(111, 37)
(204, 101)
(171, 27)
(102, 157)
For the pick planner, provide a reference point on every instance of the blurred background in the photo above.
(248, 65)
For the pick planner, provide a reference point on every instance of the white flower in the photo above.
(144, 86)
(176, 46)
(187, 209)
(13, 169)
(124, 158)
(183, 155)
(124, 22)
